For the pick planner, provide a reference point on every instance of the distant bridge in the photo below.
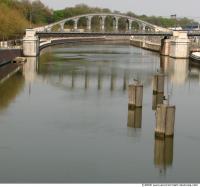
(56, 33)
(132, 24)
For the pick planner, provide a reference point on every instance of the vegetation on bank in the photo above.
(16, 15)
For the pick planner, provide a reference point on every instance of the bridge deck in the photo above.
(93, 34)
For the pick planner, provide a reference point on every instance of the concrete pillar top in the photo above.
(180, 34)
(30, 32)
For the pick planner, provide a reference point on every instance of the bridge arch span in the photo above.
(102, 16)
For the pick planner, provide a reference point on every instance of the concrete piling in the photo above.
(165, 46)
(135, 95)
(158, 83)
(165, 119)
(157, 99)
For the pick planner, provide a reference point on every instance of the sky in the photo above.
(165, 8)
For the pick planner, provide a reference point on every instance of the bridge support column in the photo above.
(129, 25)
(76, 24)
(103, 23)
(89, 20)
(30, 44)
(142, 27)
(116, 24)
(62, 28)
(179, 45)
(165, 46)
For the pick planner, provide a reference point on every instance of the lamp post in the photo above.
(30, 15)
(173, 16)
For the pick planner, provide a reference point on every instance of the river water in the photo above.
(64, 118)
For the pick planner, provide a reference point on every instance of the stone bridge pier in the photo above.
(177, 46)
(31, 44)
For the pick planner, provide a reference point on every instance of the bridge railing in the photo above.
(152, 39)
(195, 42)
(135, 33)
(11, 44)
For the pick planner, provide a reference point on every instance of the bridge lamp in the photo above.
(173, 16)
(30, 14)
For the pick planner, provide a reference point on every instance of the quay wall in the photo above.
(7, 55)
(145, 44)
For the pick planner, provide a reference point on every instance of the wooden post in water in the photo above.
(135, 95)
(165, 119)
(158, 83)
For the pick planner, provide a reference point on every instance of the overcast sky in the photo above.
(187, 8)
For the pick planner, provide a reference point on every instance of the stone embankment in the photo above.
(7, 68)
(7, 55)
(146, 44)
(176, 46)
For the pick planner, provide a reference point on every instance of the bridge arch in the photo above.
(32, 38)
(102, 17)
(82, 23)
(135, 26)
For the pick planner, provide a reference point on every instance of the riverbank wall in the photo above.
(7, 55)
(146, 44)
(7, 69)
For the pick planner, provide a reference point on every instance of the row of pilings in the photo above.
(164, 118)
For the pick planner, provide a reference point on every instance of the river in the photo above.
(64, 118)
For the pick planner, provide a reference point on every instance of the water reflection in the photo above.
(73, 79)
(30, 69)
(100, 81)
(125, 80)
(30, 72)
(104, 130)
(10, 89)
(100, 70)
(163, 153)
(86, 79)
(177, 69)
(113, 80)
(135, 118)
(194, 71)
(15, 84)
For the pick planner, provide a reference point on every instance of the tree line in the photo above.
(17, 15)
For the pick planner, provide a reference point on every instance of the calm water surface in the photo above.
(64, 118)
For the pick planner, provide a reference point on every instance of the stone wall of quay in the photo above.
(144, 44)
(7, 55)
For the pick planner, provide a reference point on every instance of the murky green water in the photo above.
(64, 119)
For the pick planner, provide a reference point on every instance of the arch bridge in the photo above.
(41, 37)
(132, 24)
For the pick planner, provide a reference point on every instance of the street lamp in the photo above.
(173, 16)
(30, 15)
